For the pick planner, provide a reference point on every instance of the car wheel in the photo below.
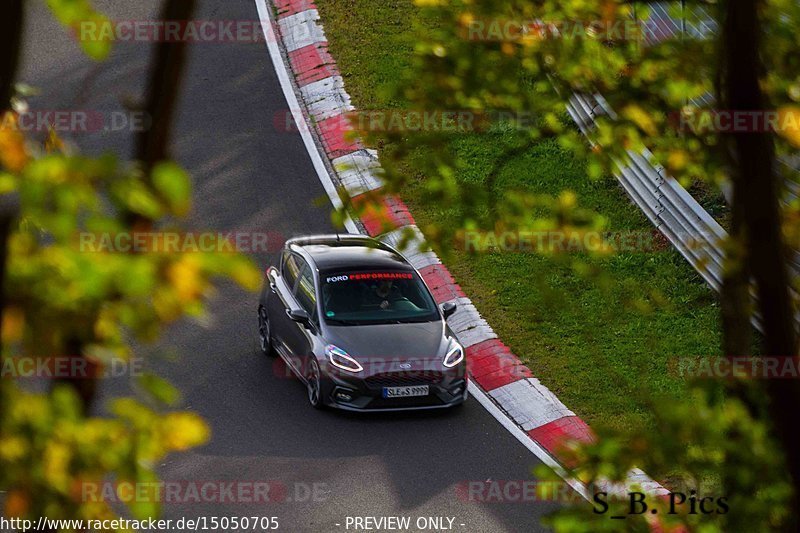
(314, 384)
(265, 339)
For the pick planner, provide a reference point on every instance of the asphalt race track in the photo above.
(249, 176)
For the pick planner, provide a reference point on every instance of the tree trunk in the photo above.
(11, 23)
(735, 300)
(756, 190)
(85, 385)
(163, 88)
(9, 209)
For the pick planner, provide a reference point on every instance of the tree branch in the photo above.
(163, 89)
(11, 23)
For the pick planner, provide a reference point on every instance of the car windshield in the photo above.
(361, 298)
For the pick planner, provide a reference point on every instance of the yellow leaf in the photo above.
(677, 159)
(184, 430)
(56, 462)
(789, 124)
(13, 154)
(166, 306)
(12, 448)
(106, 325)
(53, 142)
(246, 275)
(13, 324)
(641, 118)
(567, 199)
(185, 277)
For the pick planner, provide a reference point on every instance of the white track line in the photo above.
(265, 15)
(322, 171)
(526, 441)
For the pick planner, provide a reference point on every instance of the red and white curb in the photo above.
(499, 379)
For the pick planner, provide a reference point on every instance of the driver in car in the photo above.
(390, 297)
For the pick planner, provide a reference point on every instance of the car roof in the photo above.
(349, 252)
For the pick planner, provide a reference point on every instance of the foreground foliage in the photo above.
(64, 302)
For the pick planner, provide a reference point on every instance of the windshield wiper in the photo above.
(415, 320)
(343, 322)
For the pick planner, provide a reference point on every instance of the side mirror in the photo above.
(299, 315)
(272, 277)
(448, 308)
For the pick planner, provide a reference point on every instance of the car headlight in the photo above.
(340, 359)
(454, 355)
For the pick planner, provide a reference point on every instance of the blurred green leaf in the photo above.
(173, 183)
(160, 389)
(92, 29)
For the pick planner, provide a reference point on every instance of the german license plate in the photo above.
(405, 392)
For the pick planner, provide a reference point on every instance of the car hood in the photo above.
(396, 341)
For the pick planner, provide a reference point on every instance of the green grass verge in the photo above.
(599, 341)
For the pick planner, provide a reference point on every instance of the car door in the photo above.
(305, 294)
(281, 300)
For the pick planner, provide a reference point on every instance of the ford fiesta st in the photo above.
(355, 322)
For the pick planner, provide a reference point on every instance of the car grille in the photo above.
(402, 379)
(431, 400)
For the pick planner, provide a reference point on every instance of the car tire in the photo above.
(314, 384)
(264, 333)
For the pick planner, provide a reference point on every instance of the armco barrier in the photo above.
(672, 210)
(668, 206)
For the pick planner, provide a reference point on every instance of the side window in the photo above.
(290, 269)
(304, 291)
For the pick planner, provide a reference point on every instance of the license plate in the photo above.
(405, 392)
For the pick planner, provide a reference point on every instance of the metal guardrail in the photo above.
(672, 210)
(668, 206)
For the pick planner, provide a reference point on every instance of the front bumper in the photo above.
(447, 388)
